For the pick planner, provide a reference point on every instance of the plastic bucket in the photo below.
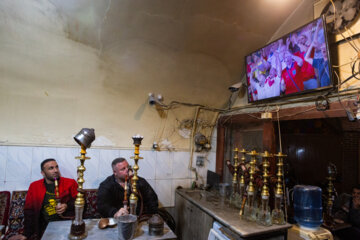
(307, 206)
(126, 226)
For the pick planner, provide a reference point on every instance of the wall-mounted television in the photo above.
(297, 63)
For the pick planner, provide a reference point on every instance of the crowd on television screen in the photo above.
(294, 63)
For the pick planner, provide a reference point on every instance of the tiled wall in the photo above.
(164, 170)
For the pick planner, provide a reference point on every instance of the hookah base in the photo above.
(77, 231)
(235, 200)
(250, 213)
(264, 218)
(278, 217)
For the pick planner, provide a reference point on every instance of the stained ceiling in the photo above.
(226, 30)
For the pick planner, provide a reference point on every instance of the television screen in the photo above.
(296, 63)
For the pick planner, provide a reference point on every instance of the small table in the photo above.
(60, 230)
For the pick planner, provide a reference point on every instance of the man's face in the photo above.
(121, 170)
(51, 171)
(356, 194)
(302, 39)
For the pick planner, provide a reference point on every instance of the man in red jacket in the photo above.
(45, 202)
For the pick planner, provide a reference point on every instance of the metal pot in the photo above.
(156, 225)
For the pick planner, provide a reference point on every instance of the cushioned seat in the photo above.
(16, 214)
(4, 209)
(90, 210)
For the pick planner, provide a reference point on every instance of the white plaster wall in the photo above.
(52, 85)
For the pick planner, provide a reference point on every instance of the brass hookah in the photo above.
(250, 208)
(84, 138)
(277, 213)
(235, 198)
(242, 185)
(134, 193)
(264, 215)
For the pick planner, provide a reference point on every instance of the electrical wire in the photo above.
(338, 93)
(354, 47)
(344, 64)
(283, 172)
(175, 103)
(350, 35)
(353, 75)
(192, 142)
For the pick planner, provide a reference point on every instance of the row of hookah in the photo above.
(246, 198)
(84, 138)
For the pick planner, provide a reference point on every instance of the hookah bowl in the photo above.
(84, 138)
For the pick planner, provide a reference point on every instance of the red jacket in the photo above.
(34, 200)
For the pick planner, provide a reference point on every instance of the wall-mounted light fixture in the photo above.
(236, 87)
(155, 100)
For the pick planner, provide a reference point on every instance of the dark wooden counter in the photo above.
(220, 209)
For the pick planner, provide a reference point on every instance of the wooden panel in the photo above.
(201, 223)
(269, 143)
(181, 217)
(192, 223)
(308, 156)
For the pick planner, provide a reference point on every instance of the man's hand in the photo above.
(17, 237)
(121, 212)
(61, 208)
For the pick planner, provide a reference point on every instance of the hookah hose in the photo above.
(243, 204)
(142, 217)
(125, 202)
(57, 197)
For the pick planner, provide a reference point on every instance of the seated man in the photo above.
(41, 204)
(347, 209)
(111, 193)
